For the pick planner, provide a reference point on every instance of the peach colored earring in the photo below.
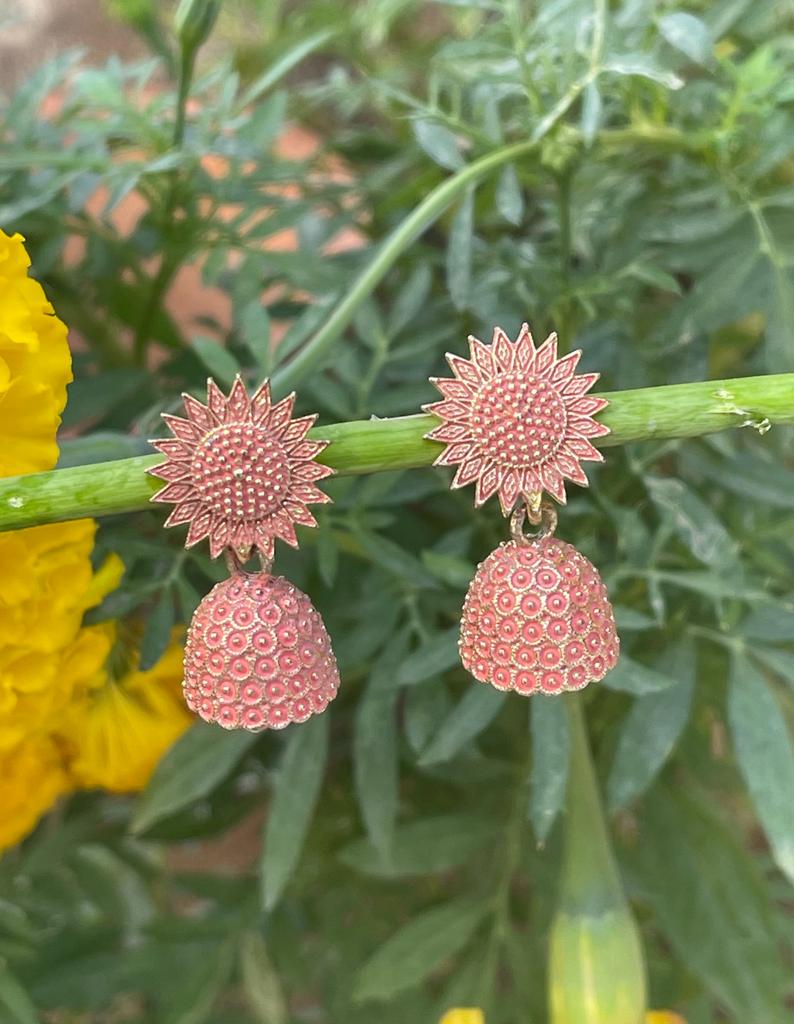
(240, 471)
(517, 420)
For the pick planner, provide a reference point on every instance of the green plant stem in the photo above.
(369, 446)
(170, 261)
(288, 376)
(589, 848)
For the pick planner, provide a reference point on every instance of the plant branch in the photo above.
(430, 209)
(369, 446)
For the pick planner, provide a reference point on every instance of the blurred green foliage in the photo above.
(653, 225)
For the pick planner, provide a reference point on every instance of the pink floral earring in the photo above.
(517, 420)
(241, 472)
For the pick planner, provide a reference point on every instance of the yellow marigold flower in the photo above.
(463, 1016)
(121, 728)
(47, 582)
(35, 366)
(46, 585)
(663, 1017)
(33, 777)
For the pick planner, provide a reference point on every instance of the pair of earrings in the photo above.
(241, 472)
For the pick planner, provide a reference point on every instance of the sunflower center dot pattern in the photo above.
(518, 419)
(258, 656)
(242, 471)
(537, 619)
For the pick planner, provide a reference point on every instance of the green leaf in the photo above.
(417, 949)
(688, 34)
(696, 524)
(254, 331)
(631, 677)
(411, 299)
(424, 709)
(459, 252)
(428, 846)
(286, 62)
(191, 769)
(195, 995)
(327, 554)
(218, 360)
(295, 796)
(440, 144)
(93, 397)
(650, 732)
(709, 903)
(15, 1000)
(765, 757)
(434, 656)
(391, 556)
(471, 716)
(551, 744)
(157, 634)
(770, 622)
(509, 197)
(780, 662)
(641, 65)
(263, 991)
(375, 750)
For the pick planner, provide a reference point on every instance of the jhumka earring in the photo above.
(241, 472)
(517, 420)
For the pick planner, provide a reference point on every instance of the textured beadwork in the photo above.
(240, 470)
(537, 619)
(258, 655)
(516, 420)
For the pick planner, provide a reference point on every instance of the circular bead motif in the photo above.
(551, 632)
(241, 470)
(277, 669)
(518, 419)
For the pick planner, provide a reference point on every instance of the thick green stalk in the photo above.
(369, 446)
(596, 965)
(429, 210)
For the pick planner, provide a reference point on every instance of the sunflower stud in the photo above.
(241, 472)
(517, 421)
